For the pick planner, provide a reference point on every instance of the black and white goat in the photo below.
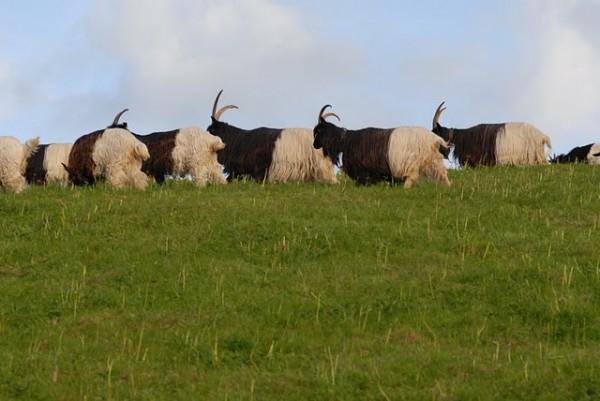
(370, 155)
(589, 154)
(495, 144)
(113, 154)
(184, 151)
(45, 164)
(270, 154)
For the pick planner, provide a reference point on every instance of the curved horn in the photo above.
(325, 116)
(118, 117)
(323, 111)
(217, 114)
(438, 113)
(223, 110)
(214, 110)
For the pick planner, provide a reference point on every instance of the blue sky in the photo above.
(67, 67)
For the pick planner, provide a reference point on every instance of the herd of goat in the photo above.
(122, 158)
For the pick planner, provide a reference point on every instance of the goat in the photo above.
(372, 155)
(269, 154)
(589, 154)
(494, 144)
(184, 151)
(45, 164)
(113, 154)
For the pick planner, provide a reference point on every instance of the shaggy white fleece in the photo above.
(118, 157)
(522, 144)
(414, 152)
(295, 159)
(195, 153)
(13, 160)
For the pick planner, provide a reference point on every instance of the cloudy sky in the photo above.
(67, 67)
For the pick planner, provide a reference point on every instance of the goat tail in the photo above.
(140, 151)
(31, 145)
(29, 148)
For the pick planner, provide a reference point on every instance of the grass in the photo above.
(487, 290)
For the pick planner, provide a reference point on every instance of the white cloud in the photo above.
(177, 54)
(565, 90)
(280, 61)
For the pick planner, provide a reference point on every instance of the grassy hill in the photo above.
(487, 290)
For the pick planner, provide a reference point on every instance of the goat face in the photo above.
(443, 132)
(319, 134)
(218, 128)
(326, 135)
(329, 138)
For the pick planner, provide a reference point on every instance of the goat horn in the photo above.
(324, 116)
(214, 110)
(118, 117)
(223, 110)
(438, 113)
(323, 111)
(217, 114)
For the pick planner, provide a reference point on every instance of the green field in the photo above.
(487, 290)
